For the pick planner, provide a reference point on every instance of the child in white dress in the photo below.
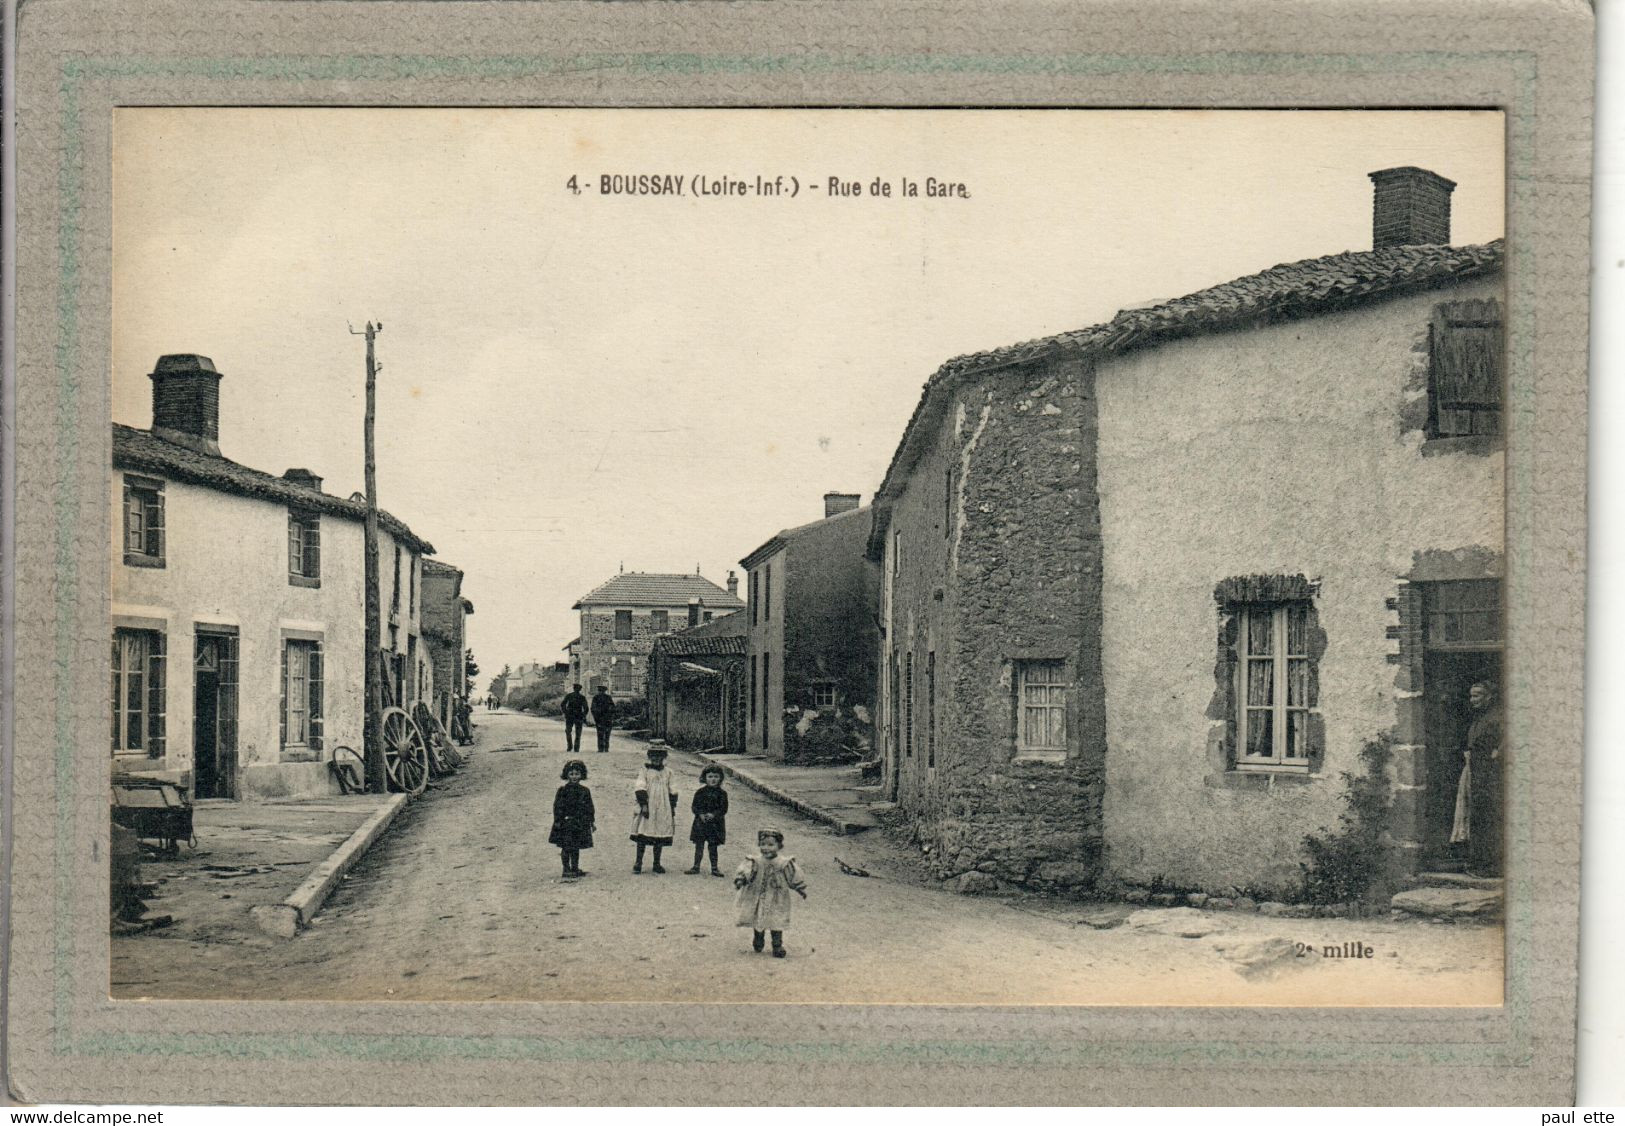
(765, 882)
(656, 794)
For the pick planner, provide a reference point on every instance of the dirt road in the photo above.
(463, 900)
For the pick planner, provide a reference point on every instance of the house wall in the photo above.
(226, 563)
(765, 643)
(1293, 449)
(830, 633)
(1003, 568)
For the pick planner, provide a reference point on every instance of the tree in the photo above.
(471, 669)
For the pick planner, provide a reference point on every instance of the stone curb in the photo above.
(842, 826)
(284, 919)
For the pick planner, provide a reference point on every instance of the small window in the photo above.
(824, 695)
(1467, 366)
(896, 553)
(753, 688)
(767, 593)
(143, 522)
(623, 625)
(412, 587)
(753, 598)
(395, 590)
(1041, 698)
(660, 621)
(138, 692)
(302, 695)
(304, 548)
(705, 615)
(1275, 687)
(950, 493)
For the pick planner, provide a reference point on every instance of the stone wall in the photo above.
(998, 534)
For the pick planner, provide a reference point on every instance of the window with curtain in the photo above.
(138, 692)
(1275, 687)
(302, 694)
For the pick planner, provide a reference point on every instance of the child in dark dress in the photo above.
(572, 818)
(710, 807)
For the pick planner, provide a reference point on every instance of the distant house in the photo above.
(812, 636)
(1151, 586)
(238, 607)
(621, 618)
(445, 612)
(697, 687)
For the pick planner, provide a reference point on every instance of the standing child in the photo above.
(572, 818)
(765, 883)
(656, 793)
(710, 807)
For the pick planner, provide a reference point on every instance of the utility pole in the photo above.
(373, 710)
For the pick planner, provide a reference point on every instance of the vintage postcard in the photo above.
(1055, 570)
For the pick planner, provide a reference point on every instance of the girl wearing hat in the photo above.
(572, 818)
(656, 794)
(765, 883)
(710, 806)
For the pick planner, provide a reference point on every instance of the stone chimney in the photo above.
(837, 503)
(186, 402)
(304, 478)
(1410, 207)
(733, 584)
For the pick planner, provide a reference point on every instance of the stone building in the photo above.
(238, 607)
(697, 688)
(812, 637)
(445, 633)
(621, 618)
(1150, 587)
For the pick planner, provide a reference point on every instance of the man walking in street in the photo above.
(575, 718)
(603, 717)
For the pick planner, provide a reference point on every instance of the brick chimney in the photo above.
(837, 503)
(186, 402)
(1410, 207)
(304, 478)
(733, 584)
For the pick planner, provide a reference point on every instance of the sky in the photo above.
(573, 383)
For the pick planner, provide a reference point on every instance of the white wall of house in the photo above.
(226, 564)
(1289, 449)
(765, 588)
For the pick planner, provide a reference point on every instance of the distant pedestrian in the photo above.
(572, 818)
(710, 806)
(765, 883)
(603, 717)
(575, 718)
(656, 794)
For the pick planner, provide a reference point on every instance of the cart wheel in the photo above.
(406, 758)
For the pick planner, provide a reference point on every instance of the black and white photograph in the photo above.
(918, 557)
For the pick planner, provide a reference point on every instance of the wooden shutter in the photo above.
(227, 713)
(313, 693)
(1468, 355)
(118, 686)
(287, 647)
(313, 546)
(156, 664)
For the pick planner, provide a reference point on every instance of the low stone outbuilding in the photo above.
(697, 688)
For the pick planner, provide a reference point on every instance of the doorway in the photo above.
(1462, 646)
(214, 714)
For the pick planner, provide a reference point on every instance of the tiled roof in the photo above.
(434, 566)
(141, 450)
(635, 588)
(1281, 293)
(676, 645)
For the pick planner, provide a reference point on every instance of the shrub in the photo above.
(633, 714)
(827, 739)
(541, 699)
(1343, 865)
